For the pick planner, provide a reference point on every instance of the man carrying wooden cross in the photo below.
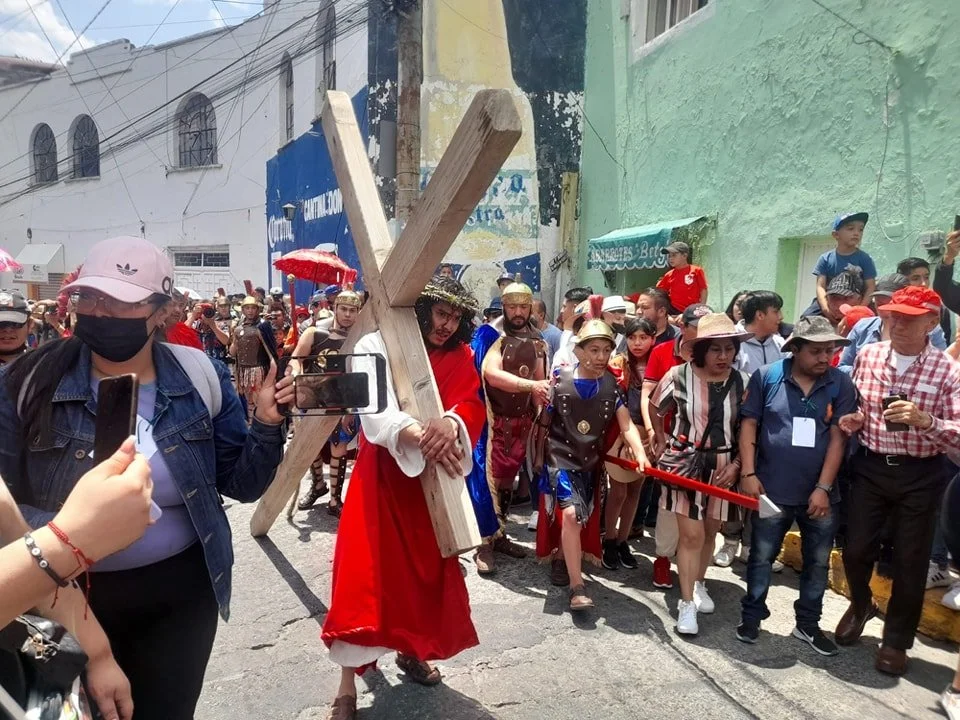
(392, 588)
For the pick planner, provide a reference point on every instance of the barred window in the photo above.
(86, 148)
(44, 155)
(197, 129)
(286, 94)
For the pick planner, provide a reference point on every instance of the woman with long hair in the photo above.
(705, 395)
(158, 599)
(623, 495)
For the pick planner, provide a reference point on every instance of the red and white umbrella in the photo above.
(8, 263)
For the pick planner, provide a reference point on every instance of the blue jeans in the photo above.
(816, 539)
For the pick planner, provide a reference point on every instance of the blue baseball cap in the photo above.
(843, 218)
(331, 290)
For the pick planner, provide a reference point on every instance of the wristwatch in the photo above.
(826, 488)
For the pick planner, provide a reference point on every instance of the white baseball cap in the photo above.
(127, 268)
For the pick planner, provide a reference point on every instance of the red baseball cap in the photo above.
(855, 313)
(913, 301)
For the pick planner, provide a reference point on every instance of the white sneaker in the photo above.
(776, 566)
(937, 577)
(744, 554)
(950, 702)
(687, 618)
(952, 597)
(702, 599)
(534, 518)
(725, 555)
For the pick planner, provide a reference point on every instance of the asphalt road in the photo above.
(622, 660)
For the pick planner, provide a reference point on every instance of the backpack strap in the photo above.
(203, 375)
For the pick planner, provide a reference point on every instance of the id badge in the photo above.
(804, 432)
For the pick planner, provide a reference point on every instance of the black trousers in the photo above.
(161, 621)
(909, 494)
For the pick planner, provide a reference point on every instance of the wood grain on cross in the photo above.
(395, 276)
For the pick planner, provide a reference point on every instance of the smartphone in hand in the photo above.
(894, 426)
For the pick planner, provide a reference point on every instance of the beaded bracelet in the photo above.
(37, 554)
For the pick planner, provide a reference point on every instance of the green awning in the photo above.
(636, 248)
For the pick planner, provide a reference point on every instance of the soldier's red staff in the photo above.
(291, 281)
(763, 505)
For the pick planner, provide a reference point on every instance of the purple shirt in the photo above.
(173, 532)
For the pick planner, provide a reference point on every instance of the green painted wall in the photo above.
(773, 115)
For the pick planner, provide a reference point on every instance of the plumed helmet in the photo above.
(593, 329)
(250, 300)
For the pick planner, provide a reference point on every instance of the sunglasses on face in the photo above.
(11, 326)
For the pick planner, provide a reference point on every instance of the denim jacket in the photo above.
(206, 458)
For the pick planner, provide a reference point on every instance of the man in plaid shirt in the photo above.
(909, 416)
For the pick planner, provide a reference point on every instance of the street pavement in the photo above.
(621, 660)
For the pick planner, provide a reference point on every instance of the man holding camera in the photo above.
(909, 416)
(215, 326)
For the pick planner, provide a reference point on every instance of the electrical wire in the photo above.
(59, 57)
(79, 93)
(351, 21)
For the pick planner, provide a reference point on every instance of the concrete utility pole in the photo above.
(410, 75)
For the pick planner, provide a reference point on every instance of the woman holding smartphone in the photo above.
(158, 599)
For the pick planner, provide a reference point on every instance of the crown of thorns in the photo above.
(450, 291)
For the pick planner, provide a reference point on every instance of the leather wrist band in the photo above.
(743, 475)
(37, 554)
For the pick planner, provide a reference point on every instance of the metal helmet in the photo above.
(593, 329)
(517, 292)
(250, 300)
(348, 296)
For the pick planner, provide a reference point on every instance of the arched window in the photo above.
(86, 148)
(197, 132)
(44, 155)
(286, 98)
(326, 56)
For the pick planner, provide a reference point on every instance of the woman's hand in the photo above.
(727, 476)
(109, 507)
(109, 688)
(271, 395)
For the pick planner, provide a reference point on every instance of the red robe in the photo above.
(391, 587)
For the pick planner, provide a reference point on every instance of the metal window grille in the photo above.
(198, 133)
(86, 148)
(44, 155)
(187, 259)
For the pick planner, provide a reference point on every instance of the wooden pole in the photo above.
(410, 77)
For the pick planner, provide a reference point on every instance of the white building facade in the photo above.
(168, 142)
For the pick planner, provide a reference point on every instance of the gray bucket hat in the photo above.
(814, 328)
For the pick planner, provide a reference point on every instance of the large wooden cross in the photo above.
(395, 275)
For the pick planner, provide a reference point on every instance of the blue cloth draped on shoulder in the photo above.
(483, 339)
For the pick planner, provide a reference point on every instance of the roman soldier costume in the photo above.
(523, 353)
(253, 345)
(328, 338)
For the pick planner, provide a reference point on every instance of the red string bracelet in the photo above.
(83, 562)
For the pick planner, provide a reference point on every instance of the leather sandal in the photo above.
(418, 671)
(579, 600)
(317, 491)
(344, 708)
(486, 565)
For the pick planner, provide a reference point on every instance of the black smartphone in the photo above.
(956, 222)
(339, 392)
(116, 414)
(894, 426)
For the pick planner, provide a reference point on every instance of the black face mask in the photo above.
(115, 339)
(618, 328)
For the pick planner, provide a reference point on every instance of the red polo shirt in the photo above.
(683, 285)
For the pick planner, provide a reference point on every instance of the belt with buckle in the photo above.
(897, 460)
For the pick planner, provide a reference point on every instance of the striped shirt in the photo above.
(693, 397)
(932, 382)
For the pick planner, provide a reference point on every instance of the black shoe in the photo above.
(626, 557)
(611, 555)
(748, 632)
(815, 638)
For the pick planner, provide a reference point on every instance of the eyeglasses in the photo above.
(86, 303)
(11, 326)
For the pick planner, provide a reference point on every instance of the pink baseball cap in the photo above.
(127, 268)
